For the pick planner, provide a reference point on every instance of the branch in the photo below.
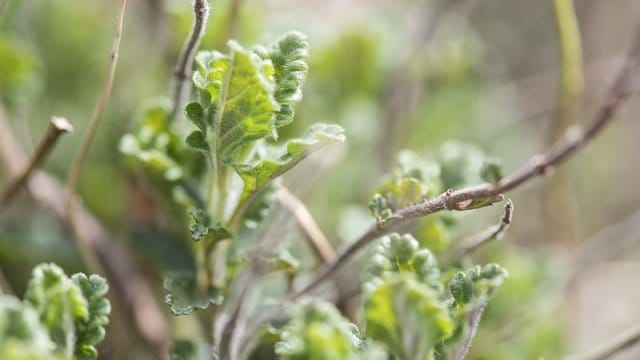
(182, 70)
(474, 320)
(316, 239)
(613, 346)
(94, 121)
(57, 127)
(494, 232)
(490, 193)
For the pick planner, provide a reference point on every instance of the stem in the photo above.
(94, 122)
(182, 71)
(57, 127)
(315, 238)
(494, 232)
(461, 199)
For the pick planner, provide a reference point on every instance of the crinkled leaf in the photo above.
(258, 174)
(318, 331)
(476, 284)
(236, 84)
(407, 316)
(59, 302)
(91, 331)
(289, 57)
(201, 227)
(185, 296)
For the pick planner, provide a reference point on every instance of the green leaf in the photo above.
(183, 350)
(184, 295)
(318, 331)
(197, 141)
(22, 336)
(59, 302)
(201, 228)
(491, 170)
(407, 316)
(289, 57)
(476, 284)
(91, 331)
(195, 113)
(261, 172)
(237, 86)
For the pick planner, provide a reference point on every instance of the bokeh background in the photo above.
(424, 75)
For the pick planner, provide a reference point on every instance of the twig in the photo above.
(474, 320)
(490, 193)
(495, 232)
(318, 242)
(57, 127)
(94, 121)
(182, 70)
(619, 343)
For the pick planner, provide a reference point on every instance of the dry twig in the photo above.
(57, 127)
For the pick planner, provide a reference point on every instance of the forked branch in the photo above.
(486, 193)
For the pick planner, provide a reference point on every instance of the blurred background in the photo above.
(441, 78)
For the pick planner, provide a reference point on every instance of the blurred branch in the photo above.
(232, 20)
(316, 239)
(494, 232)
(572, 80)
(57, 127)
(619, 343)
(487, 194)
(120, 267)
(182, 71)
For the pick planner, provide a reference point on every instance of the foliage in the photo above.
(61, 317)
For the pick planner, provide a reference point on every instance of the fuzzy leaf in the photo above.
(289, 57)
(237, 86)
(195, 113)
(91, 332)
(491, 170)
(59, 303)
(201, 228)
(407, 316)
(197, 141)
(318, 331)
(184, 295)
(261, 172)
(22, 336)
(183, 350)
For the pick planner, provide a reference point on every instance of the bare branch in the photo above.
(183, 70)
(494, 232)
(613, 346)
(57, 127)
(318, 242)
(94, 121)
(488, 194)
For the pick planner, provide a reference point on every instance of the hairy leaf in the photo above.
(261, 172)
(201, 228)
(91, 331)
(289, 57)
(185, 296)
(318, 331)
(407, 316)
(243, 95)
